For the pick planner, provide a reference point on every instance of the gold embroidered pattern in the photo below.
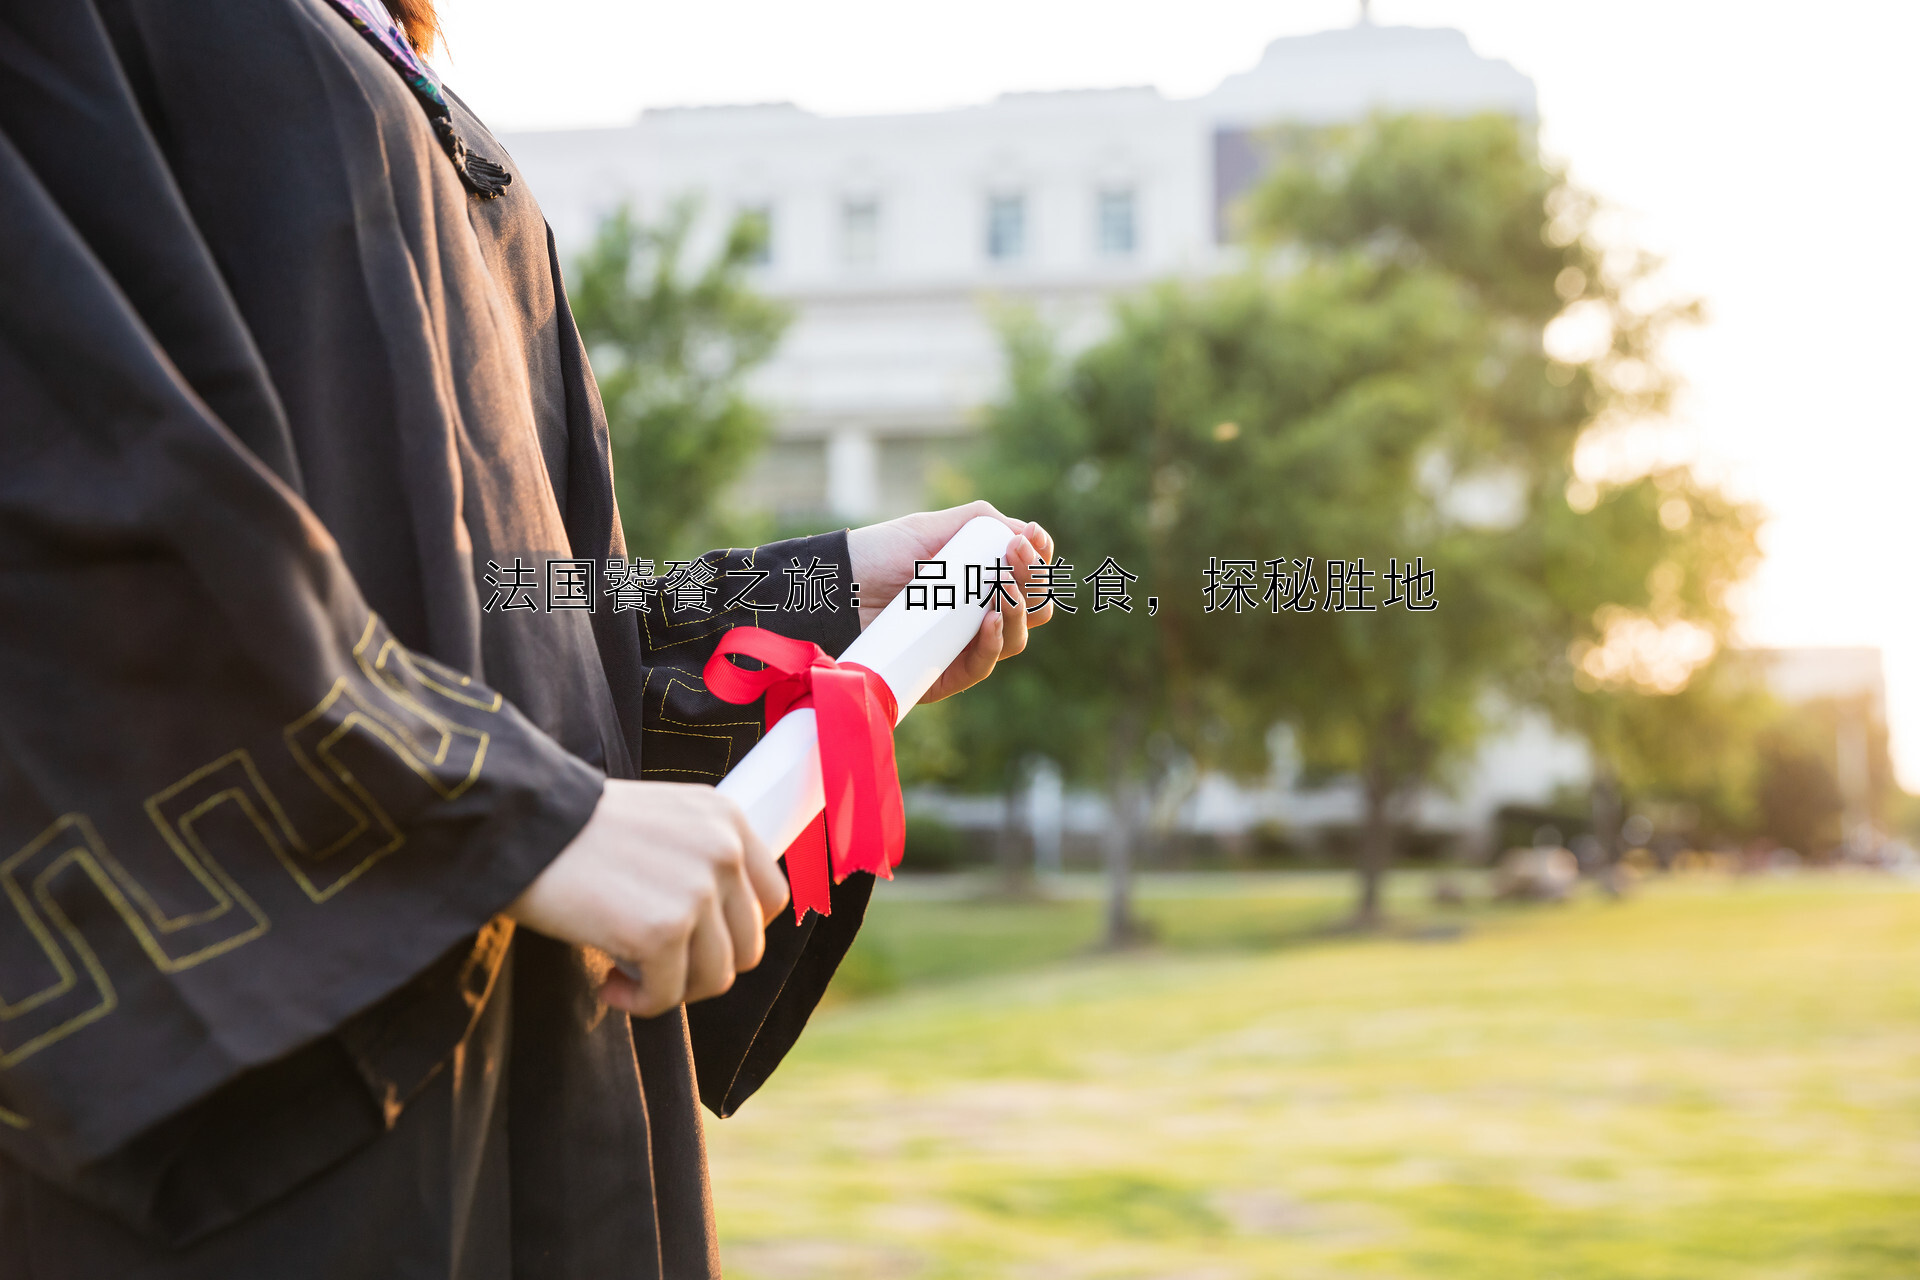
(204, 913)
(36, 1019)
(726, 739)
(423, 739)
(177, 812)
(709, 626)
(654, 640)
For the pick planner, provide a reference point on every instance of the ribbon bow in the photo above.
(863, 826)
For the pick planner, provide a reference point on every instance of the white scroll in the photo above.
(916, 637)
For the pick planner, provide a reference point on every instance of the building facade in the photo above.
(899, 239)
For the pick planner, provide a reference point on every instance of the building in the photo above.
(896, 238)
(1853, 680)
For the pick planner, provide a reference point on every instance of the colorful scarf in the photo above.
(370, 18)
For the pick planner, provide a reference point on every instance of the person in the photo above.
(317, 837)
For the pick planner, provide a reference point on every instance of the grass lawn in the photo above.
(1716, 1079)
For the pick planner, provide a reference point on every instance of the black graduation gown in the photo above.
(274, 388)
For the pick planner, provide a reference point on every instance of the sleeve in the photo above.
(740, 1037)
(689, 735)
(235, 813)
(654, 659)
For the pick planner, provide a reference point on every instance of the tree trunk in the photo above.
(1123, 823)
(1606, 815)
(1016, 877)
(1376, 848)
(1046, 802)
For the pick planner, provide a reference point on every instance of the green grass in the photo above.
(1717, 1079)
(938, 930)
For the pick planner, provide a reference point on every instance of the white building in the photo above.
(1854, 679)
(894, 237)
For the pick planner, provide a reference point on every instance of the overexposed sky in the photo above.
(1767, 150)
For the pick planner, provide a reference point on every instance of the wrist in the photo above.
(864, 555)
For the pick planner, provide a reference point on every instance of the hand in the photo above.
(667, 875)
(883, 556)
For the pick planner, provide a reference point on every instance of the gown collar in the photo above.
(482, 176)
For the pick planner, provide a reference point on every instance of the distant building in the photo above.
(1844, 673)
(895, 236)
(1528, 764)
(1854, 680)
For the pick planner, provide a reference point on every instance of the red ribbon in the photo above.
(863, 825)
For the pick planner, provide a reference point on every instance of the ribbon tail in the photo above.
(863, 826)
(840, 713)
(877, 779)
(891, 808)
(873, 769)
(807, 873)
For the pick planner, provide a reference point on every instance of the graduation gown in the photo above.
(275, 387)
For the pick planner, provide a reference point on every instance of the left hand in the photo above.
(883, 556)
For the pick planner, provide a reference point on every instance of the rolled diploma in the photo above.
(778, 783)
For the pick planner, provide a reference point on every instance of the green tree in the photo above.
(1095, 702)
(1378, 385)
(1698, 746)
(672, 345)
(1582, 570)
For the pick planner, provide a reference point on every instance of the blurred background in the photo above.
(1283, 926)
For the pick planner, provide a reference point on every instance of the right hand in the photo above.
(669, 876)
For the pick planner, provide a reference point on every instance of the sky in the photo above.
(1767, 151)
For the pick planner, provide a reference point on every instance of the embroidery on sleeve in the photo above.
(192, 909)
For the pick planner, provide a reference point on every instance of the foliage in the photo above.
(1697, 747)
(672, 345)
(1382, 383)
(1801, 804)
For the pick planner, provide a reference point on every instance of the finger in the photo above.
(663, 979)
(762, 866)
(975, 662)
(1035, 617)
(981, 507)
(1020, 555)
(625, 994)
(1026, 561)
(1042, 540)
(1043, 547)
(746, 925)
(933, 528)
(709, 954)
(951, 520)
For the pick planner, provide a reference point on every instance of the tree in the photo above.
(1094, 702)
(671, 348)
(1697, 744)
(1378, 388)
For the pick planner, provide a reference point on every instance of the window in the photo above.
(1115, 230)
(760, 218)
(789, 479)
(914, 469)
(860, 231)
(1006, 227)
